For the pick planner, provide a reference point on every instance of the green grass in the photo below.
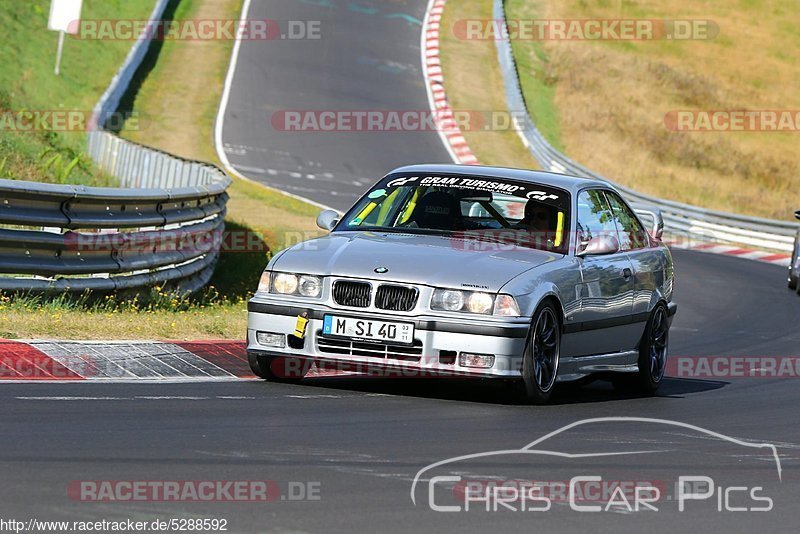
(172, 88)
(539, 92)
(27, 83)
(536, 76)
(156, 315)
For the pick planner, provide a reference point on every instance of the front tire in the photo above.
(792, 283)
(278, 368)
(541, 356)
(653, 350)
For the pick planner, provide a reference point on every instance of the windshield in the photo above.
(467, 207)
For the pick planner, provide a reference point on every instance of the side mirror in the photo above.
(797, 214)
(328, 219)
(599, 246)
(652, 218)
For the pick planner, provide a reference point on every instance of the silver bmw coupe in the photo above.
(794, 262)
(476, 272)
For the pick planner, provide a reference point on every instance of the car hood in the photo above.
(417, 259)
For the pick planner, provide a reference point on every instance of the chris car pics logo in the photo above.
(451, 485)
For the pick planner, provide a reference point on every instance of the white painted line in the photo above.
(226, 91)
(72, 398)
(314, 396)
(245, 168)
(34, 341)
(137, 397)
(223, 108)
(187, 380)
(169, 397)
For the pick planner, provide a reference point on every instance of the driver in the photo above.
(538, 217)
(539, 220)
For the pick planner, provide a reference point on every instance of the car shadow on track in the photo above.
(502, 392)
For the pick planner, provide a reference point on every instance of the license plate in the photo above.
(368, 329)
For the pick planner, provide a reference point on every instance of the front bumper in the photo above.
(437, 340)
(672, 309)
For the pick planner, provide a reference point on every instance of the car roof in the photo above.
(564, 181)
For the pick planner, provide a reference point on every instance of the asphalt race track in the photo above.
(363, 440)
(368, 59)
(358, 443)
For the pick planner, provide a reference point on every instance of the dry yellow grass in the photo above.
(181, 95)
(611, 99)
(223, 322)
(279, 219)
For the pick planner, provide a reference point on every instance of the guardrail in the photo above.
(162, 227)
(681, 220)
(173, 211)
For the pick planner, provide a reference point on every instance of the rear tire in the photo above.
(792, 283)
(279, 368)
(541, 357)
(653, 351)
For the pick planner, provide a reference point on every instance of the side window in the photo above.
(594, 217)
(631, 233)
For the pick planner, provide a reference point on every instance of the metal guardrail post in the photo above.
(115, 238)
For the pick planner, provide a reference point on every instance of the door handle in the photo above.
(626, 273)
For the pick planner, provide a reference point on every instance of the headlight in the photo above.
(474, 302)
(448, 300)
(284, 283)
(466, 301)
(480, 303)
(310, 286)
(304, 285)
